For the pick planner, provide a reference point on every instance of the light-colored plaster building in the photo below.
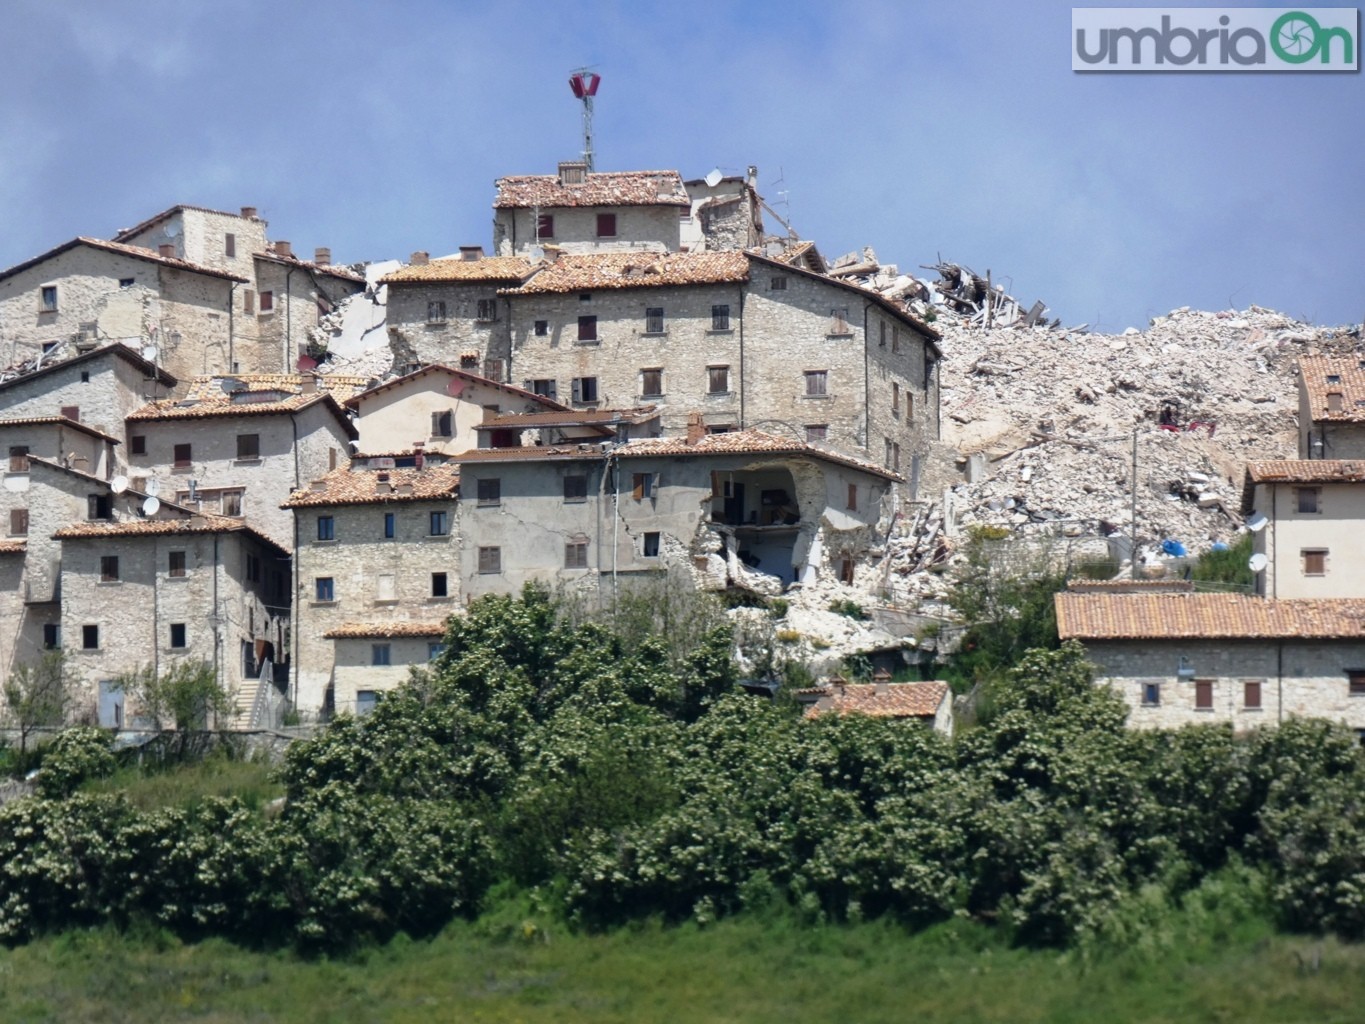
(1313, 534)
(372, 658)
(377, 550)
(1331, 407)
(740, 509)
(1183, 658)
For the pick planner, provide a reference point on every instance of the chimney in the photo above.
(248, 213)
(322, 256)
(881, 682)
(471, 252)
(695, 430)
(284, 249)
(419, 258)
(309, 385)
(167, 249)
(838, 685)
(573, 172)
(552, 252)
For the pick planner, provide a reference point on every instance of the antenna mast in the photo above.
(584, 84)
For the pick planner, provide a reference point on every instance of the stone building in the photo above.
(372, 658)
(238, 446)
(377, 550)
(1183, 658)
(99, 387)
(726, 213)
(436, 409)
(1331, 407)
(206, 589)
(930, 703)
(1310, 519)
(742, 509)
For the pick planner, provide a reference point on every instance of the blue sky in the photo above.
(919, 129)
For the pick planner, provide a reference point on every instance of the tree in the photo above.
(39, 694)
(185, 697)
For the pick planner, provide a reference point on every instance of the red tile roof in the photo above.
(339, 386)
(1307, 471)
(489, 268)
(12, 547)
(575, 272)
(135, 251)
(247, 402)
(384, 630)
(1316, 375)
(897, 700)
(162, 527)
(364, 487)
(116, 348)
(600, 188)
(25, 421)
(1206, 616)
(344, 273)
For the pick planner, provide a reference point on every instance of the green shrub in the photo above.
(850, 608)
(74, 756)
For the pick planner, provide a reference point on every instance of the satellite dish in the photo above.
(149, 353)
(151, 506)
(172, 230)
(1257, 562)
(153, 487)
(714, 178)
(1256, 523)
(119, 484)
(536, 252)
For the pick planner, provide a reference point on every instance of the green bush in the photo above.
(73, 757)
(850, 608)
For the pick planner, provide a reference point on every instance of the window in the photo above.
(229, 244)
(231, 503)
(178, 634)
(248, 300)
(48, 346)
(1251, 694)
(90, 638)
(390, 525)
(49, 298)
(606, 225)
(546, 387)
(439, 585)
(587, 328)
(1355, 682)
(183, 456)
(545, 226)
(576, 554)
(649, 546)
(1151, 695)
(720, 317)
(881, 334)
(436, 312)
(175, 564)
(542, 328)
(585, 389)
(1314, 561)
(52, 636)
(385, 588)
(18, 522)
(895, 340)
(248, 446)
(365, 702)
(651, 382)
(327, 529)
(644, 486)
(895, 400)
(126, 282)
(380, 654)
(1307, 500)
(437, 524)
(817, 383)
(137, 444)
(718, 380)
(490, 491)
(654, 320)
(324, 589)
(495, 369)
(838, 321)
(817, 431)
(853, 497)
(895, 457)
(71, 412)
(1203, 694)
(267, 302)
(18, 458)
(253, 568)
(777, 283)
(486, 309)
(98, 506)
(434, 648)
(490, 560)
(443, 424)
(576, 488)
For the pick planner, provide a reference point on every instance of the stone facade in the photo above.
(105, 385)
(726, 215)
(1331, 407)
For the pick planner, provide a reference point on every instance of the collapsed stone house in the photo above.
(198, 291)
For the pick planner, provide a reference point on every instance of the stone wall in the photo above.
(637, 227)
(424, 335)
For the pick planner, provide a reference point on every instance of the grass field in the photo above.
(744, 970)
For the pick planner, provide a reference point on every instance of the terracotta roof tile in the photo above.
(574, 272)
(1323, 376)
(26, 421)
(1205, 616)
(344, 273)
(600, 188)
(538, 453)
(384, 630)
(900, 700)
(490, 268)
(12, 547)
(116, 348)
(363, 487)
(161, 527)
(1307, 471)
(1128, 586)
(339, 386)
(746, 442)
(206, 399)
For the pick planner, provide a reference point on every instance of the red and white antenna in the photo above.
(584, 84)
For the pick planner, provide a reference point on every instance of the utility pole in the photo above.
(1132, 535)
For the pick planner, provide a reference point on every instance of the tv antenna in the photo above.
(584, 81)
